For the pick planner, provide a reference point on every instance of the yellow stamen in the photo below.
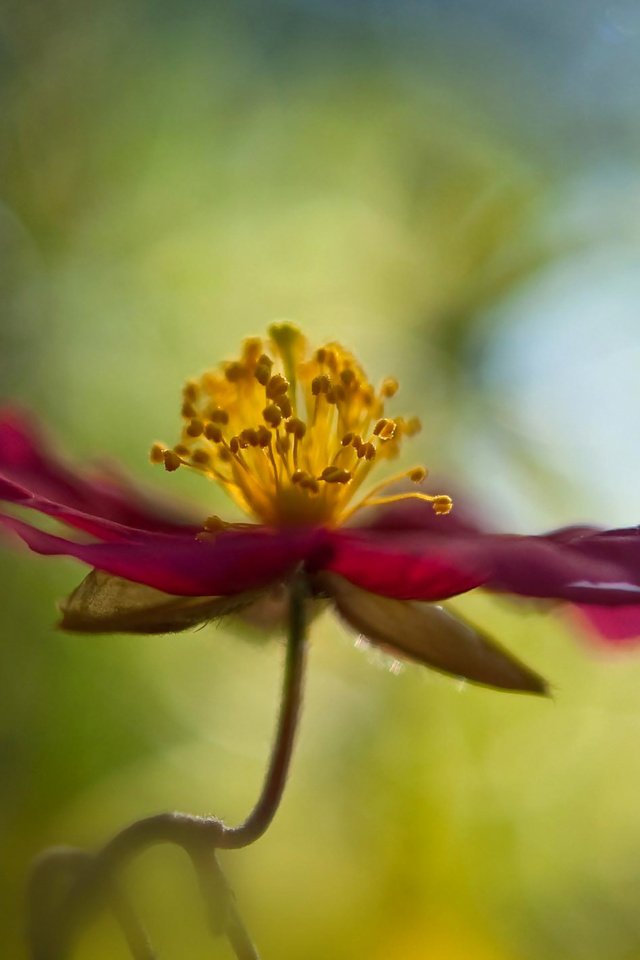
(291, 434)
(441, 503)
(195, 428)
(171, 460)
(389, 388)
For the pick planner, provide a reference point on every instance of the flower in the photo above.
(293, 437)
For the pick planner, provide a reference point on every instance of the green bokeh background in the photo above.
(452, 192)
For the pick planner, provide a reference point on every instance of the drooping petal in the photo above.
(103, 603)
(431, 636)
(231, 563)
(578, 564)
(28, 458)
(96, 526)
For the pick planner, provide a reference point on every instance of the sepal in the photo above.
(428, 634)
(103, 603)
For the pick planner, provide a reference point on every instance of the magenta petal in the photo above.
(27, 458)
(617, 625)
(577, 564)
(96, 526)
(405, 566)
(232, 563)
(580, 564)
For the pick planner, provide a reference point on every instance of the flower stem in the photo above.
(53, 927)
(224, 915)
(258, 821)
(133, 931)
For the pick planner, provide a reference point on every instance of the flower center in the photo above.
(292, 435)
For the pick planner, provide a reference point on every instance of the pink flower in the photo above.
(293, 437)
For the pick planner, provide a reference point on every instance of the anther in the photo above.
(195, 428)
(335, 393)
(249, 438)
(171, 460)
(296, 427)
(156, 454)
(368, 451)
(417, 475)
(234, 445)
(277, 386)
(347, 376)
(389, 387)
(347, 439)
(272, 415)
(442, 504)
(188, 410)
(263, 436)
(213, 432)
(285, 406)
(298, 476)
(310, 484)
(201, 457)
(251, 349)
(320, 385)
(379, 427)
(191, 391)
(262, 373)
(181, 449)
(218, 415)
(330, 359)
(335, 475)
(387, 432)
(235, 371)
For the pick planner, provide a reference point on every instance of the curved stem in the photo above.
(224, 915)
(186, 829)
(133, 931)
(44, 896)
(198, 836)
(50, 870)
(258, 821)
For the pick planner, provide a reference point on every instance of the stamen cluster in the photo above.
(291, 436)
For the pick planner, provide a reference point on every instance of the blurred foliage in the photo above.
(173, 177)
